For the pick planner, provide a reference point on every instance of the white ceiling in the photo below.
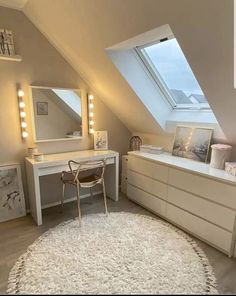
(17, 4)
(82, 29)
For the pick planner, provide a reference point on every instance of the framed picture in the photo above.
(100, 140)
(192, 142)
(12, 202)
(42, 108)
(6, 43)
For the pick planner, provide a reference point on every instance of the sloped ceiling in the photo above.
(82, 29)
(17, 4)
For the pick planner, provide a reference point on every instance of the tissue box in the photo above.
(230, 167)
(145, 148)
(151, 149)
(156, 150)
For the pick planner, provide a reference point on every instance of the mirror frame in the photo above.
(84, 113)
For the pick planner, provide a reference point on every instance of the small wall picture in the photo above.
(42, 108)
(6, 43)
(12, 202)
(192, 142)
(100, 140)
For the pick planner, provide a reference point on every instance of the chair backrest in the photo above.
(77, 167)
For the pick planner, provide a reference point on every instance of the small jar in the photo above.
(219, 155)
(38, 156)
(31, 151)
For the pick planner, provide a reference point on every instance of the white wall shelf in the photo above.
(15, 58)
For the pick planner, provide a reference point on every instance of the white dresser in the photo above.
(190, 194)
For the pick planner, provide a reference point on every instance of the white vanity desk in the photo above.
(56, 163)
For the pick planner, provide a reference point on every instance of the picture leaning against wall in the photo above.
(12, 202)
(192, 142)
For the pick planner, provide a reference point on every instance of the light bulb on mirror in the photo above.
(22, 104)
(91, 114)
(91, 122)
(23, 124)
(25, 134)
(20, 93)
(91, 97)
(91, 106)
(91, 131)
(22, 114)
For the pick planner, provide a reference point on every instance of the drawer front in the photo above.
(148, 201)
(207, 231)
(203, 208)
(148, 168)
(213, 190)
(147, 184)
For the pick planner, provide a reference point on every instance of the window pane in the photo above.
(171, 64)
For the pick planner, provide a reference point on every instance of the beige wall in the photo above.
(42, 65)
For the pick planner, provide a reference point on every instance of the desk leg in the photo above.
(34, 193)
(112, 180)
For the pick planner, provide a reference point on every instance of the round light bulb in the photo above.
(22, 114)
(91, 106)
(91, 122)
(20, 93)
(25, 134)
(23, 124)
(91, 130)
(91, 114)
(91, 97)
(22, 104)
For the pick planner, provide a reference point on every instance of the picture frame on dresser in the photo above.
(192, 142)
(12, 201)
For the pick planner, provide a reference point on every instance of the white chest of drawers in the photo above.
(189, 194)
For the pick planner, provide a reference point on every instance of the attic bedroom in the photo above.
(117, 147)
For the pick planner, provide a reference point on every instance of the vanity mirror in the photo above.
(57, 113)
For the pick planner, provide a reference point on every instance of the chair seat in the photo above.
(87, 181)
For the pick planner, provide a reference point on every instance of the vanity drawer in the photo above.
(203, 229)
(148, 168)
(203, 208)
(147, 200)
(210, 189)
(147, 184)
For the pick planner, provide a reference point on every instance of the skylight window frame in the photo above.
(150, 67)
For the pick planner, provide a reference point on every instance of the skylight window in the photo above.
(170, 69)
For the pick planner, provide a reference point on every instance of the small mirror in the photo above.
(57, 113)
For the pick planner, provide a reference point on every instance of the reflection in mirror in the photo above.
(57, 113)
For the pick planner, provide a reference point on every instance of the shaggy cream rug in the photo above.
(123, 253)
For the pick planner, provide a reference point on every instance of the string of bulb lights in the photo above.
(91, 113)
(23, 123)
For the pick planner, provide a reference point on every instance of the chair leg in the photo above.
(63, 195)
(105, 197)
(78, 204)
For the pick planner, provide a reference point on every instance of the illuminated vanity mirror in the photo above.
(57, 113)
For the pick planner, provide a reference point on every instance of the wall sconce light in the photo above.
(91, 113)
(23, 123)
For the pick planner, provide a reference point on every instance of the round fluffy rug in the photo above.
(123, 253)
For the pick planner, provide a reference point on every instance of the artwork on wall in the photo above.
(192, 142)
(12, 202)
(6, 43)
(100, 140)
(42, 108)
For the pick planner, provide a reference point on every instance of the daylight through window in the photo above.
(171, 71)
